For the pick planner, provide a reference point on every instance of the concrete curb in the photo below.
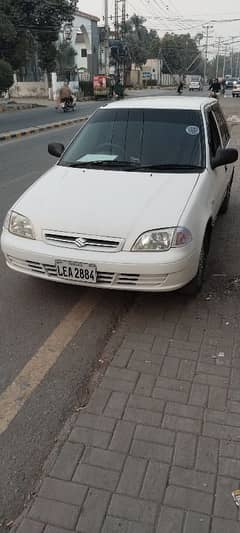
(30, 131)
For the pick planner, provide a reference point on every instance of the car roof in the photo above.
(162, 102)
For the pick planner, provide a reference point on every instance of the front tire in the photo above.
(195, 286)
(225, 204)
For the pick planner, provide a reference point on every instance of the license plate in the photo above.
(78, 272)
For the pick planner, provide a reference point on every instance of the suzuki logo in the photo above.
(81, 242)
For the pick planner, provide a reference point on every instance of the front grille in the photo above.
(138, 279)
(103, 278)
(32, 266)
(127, 279)
(84, 242)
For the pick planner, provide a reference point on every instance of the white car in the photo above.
(236, 89)
(195, 85)
(132, 200)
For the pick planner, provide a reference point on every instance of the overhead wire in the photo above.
(163, 11)
(181, 20)
(156, 6)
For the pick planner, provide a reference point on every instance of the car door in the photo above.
(225, 135)
(219, 175)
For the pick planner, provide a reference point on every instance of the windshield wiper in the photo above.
(130, 166)
(168, 166)
(100, 163)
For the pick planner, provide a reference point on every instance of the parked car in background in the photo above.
(131, 202)
(195, 84)
(229, 83)
(236, 89)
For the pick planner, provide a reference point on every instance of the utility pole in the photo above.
(106, 40)
(232, 58)
(123, 36)
(120, 34)
(123, 18)
(218, 53)
(120, 28)
(116, 20)
(208, 27)
(224, 61)
(237, 65)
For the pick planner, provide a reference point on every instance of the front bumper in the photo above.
(153, 272)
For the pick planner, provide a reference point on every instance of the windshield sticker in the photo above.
(90, 158)
(193, 130)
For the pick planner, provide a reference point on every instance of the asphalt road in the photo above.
(31, 310)
(28, 118)
(16, 120)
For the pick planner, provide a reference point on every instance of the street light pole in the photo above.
(106, 43)
(206, 51)
(218, 52)
(237, 66)
(224, 62)
(232, 58)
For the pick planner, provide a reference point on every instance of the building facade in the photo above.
(84, 38)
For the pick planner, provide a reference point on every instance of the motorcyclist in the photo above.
(119, 89)
(223, 86)
(65, 94)
(180, 87)
(215, 87)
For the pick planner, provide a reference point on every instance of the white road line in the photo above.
(16, 394)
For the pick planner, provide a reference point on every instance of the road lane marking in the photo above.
(16, 394)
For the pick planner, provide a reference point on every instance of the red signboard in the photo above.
(99, 82)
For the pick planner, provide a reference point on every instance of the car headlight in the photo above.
(20, 225)
(161, 240)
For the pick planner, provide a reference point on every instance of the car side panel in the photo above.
(200, 208)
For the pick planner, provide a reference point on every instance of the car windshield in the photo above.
(139, 137)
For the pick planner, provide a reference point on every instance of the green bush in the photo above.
(86, 88)
(6, 76)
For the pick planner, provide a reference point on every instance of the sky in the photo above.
(182, 17)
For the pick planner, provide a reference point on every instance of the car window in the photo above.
(222, 124)
(213, 134)
(143, 136)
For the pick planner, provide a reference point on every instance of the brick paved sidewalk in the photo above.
(157, 449)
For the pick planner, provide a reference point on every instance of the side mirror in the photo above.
(224, 156)
(55, 149)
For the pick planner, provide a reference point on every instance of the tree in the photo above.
(153, 45)
(180, 54)
(65, 58)
(141, 43)
(33, 21)
(6, 76)
(136, 39)
(198, 38)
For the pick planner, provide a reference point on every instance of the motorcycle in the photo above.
(214, 94)
(69, 104)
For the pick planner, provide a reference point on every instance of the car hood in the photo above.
(105, 202)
